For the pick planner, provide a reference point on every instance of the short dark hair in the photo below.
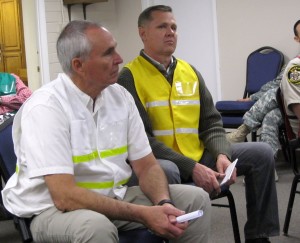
(146, 15)
(295, 30)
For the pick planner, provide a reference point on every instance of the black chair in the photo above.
(263, 65)
(231, 205)
(7, 168)
(290, 143)
(225, 192)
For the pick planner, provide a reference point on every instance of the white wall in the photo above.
(196, 37)
(244, 26)
(129, 43)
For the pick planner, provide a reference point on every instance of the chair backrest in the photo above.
(263, 65)
(7, 155)
(290, 143)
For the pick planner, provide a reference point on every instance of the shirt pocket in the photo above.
(113, 134)
(82, 140)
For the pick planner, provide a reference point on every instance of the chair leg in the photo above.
(234, 220)
(231, 205)
(23, 226)
(290, 204)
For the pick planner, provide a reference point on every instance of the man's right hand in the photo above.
(161, 220)
(207, 178)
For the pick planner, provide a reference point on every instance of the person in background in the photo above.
(265, 112)
(72, 139)
(290, 87)
(18, 93)
(184, 127)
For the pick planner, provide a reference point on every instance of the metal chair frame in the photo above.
(290, 143)
(231, 205)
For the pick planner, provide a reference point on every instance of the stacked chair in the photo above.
(263, 65)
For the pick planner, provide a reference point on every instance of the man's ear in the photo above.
(77, 65)
(296, 38)
(142, 33)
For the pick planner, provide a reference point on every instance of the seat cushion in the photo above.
(232, 121)
(233, 106)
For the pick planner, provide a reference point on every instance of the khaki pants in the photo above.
(89, 226)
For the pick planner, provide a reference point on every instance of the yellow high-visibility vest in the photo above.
(174, 110)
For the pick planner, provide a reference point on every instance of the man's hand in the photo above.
(161, 220)
(210, 180)
(207, 179)
(222, 163)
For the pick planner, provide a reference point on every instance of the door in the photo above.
(12, 51)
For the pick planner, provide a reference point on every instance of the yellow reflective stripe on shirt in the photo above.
(113, 152)
(101, 185)
(85, 158)
(95, 154)
(96, 185)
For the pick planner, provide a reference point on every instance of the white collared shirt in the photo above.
(47, 133)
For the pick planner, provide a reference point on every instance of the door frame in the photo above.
(42, 41)
(36, 43)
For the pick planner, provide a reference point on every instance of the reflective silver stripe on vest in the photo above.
(187, 130)
(157, 103)
(186, 102)
(178, 131)
(174, 102)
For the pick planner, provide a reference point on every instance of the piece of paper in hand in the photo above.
(189, 216)
(228, 172)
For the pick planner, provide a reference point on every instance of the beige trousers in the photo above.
(89, 226)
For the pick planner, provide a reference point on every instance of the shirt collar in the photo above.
(83, 97)
(157, 64)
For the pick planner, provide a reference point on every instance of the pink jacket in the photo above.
(11, 103)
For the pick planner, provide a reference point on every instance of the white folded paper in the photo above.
(189, 216)
(228, 172)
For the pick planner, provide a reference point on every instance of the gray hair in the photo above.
(73, 43)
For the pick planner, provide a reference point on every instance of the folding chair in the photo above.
(231, 205)
(263, 65)
(290, 143)
(7, 168)
(225, 192)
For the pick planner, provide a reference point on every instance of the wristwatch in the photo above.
(162, 202)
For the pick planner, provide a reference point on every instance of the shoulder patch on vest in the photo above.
(293, 74)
